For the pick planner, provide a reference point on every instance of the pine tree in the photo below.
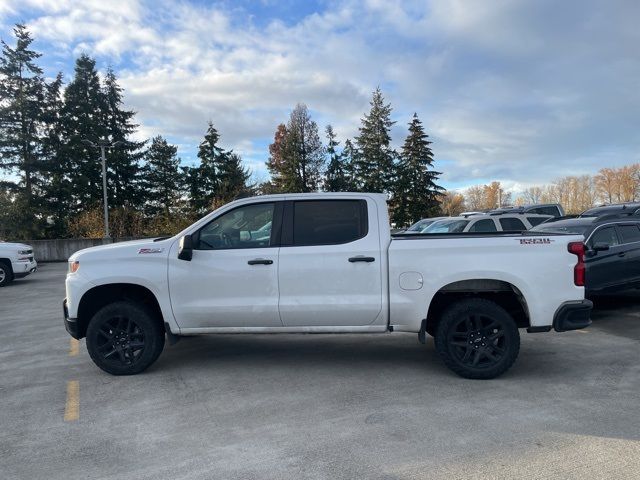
(57, 189)
(122, 162)
(21, 99)
(83, 118)
(162, 177)
(232, 178)
(415, 192)
(375, 160)
(336, 177)
(203, 180)
(349, 157)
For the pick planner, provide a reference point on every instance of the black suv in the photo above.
(612, 243)
(631, 208)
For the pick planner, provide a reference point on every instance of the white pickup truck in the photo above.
(16, 261)
(324, 263)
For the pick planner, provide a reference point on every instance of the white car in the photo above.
(329, 265)
(420, 225)
(16, 261)
(485, 223)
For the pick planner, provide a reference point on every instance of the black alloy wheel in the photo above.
(121, 341)
(477, 338)
(124, 338)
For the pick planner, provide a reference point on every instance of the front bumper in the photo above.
(22, 269)
(70, 324)
(572, 316)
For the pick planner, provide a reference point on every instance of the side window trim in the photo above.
(589, 241)
(276, 230)
(286, 239)
(618, 228)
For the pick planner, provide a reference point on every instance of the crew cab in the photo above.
(324, 263)
(16, 261)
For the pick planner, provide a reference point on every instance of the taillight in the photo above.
(577, 248)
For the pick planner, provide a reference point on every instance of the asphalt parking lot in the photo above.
(314, 406)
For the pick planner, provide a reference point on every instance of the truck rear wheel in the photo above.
(476, 338)
(6, 274)
(124, 338)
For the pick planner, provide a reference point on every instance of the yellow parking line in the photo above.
(72, 407)
(74, 347)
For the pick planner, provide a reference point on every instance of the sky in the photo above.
(520, 91)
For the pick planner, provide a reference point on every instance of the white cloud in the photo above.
(515, 90)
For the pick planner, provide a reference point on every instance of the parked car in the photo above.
(612, 257)
(16, 261)
(471, 213)
(420, 225)
(329, 265)
(487, 223)
(631, 208)
(553, 209)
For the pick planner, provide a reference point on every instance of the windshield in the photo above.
(419, 226)
(446, 226)
(560, 228)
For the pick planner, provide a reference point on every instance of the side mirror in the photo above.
(185, 250)
(600, 247)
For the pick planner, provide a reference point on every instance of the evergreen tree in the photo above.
(297, 154)
(203, 180)
(162, 177)
(349, 157)
(336, 177)
(21, 99)
(232, 178)
(57, 190)
(375, 160)
(83, 118)
(415, 193)
(122, 162)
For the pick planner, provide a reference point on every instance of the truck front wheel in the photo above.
(476, 338)
(124, 338)
(6, 275)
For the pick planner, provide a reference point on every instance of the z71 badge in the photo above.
(535, 241)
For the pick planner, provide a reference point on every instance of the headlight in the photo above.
(74, 266)
(24, 252)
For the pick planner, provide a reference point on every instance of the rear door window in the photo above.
(536, 220)
(512, 225)
(629, 233)
(329, 222)
(485, 225)
(550, 210)
(605, 235)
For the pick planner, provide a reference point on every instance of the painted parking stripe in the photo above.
(74, 347)
(72, 407)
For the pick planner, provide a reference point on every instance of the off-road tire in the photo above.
(124, 338)
(476, 338)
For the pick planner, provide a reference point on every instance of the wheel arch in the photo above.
(97, 297)
(502, 292)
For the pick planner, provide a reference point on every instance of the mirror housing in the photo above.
(598, 247)
(185, 250)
